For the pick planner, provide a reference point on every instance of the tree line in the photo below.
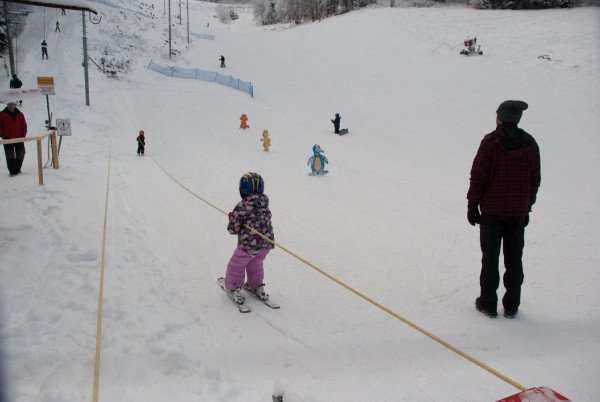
(269, 12)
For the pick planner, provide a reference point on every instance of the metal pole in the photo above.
(16, 47)
(180, 23)
(188, 19)
(85, 62)
(9, 40)
(44, 23)
(49, 128)
(169, 29)
(49, 115)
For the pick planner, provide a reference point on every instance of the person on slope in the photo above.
(336, 123)
(504, 183)
(141, 140)
(252, 249)
(13, 125)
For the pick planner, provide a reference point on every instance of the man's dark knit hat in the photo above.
(510, 111)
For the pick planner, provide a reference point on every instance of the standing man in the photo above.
(44, 50)
(57, 29)
(504, 182)
(222, 58)
(13, 125)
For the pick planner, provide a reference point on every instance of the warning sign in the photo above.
(63, 127)
(46, 85)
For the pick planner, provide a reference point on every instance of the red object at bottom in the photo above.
(538, 394)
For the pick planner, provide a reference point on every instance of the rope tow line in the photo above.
(342, 284)
(359, 294)
(96, 387)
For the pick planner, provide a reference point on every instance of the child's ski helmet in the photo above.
(251, 183)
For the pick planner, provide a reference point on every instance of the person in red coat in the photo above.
(13, 125)
(141, 140)
(504, 182)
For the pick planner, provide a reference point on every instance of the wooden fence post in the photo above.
(54, 149)
(39, 158)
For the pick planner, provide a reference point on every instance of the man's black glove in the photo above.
(473, 214)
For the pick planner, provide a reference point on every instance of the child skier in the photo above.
(251, 249)
(141, 140)
(44, 50)
(336, 123)
(15, 82)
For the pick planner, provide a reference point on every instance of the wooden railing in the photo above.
(38, 139)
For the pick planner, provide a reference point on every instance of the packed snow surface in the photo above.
(389, 220)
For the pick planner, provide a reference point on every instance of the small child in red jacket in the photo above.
(141, 140)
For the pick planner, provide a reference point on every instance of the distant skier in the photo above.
(336, 123)
(44, 50)
(252, 249)
(222, 61)
(15, 82)
(57, 28)
(141, 140)
(63, 11)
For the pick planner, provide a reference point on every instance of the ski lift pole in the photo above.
(169, 29)
(85, 63)
(51, 138)
(188, 20)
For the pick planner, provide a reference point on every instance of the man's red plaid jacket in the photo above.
(506, 172)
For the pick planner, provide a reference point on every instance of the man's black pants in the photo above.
(15, 153)
(509, 232)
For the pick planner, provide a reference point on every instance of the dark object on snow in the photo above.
(336, 123)
(15, 82)
(222, 58)
(343, 131)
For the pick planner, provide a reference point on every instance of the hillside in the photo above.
(389, 219)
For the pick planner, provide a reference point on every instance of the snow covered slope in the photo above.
(389, 219)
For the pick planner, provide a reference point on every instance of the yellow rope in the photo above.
(361, 295)
(101, 287)
(351, 289)
(185, 188)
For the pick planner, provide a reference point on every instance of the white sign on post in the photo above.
(63, 127)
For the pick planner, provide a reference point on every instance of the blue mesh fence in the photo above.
(203, 36)
(197, 74)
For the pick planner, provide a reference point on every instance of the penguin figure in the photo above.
(317, 162)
